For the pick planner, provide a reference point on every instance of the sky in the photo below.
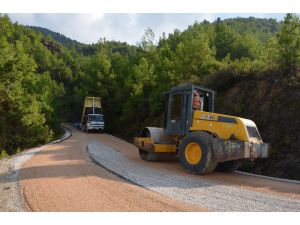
(129, 27)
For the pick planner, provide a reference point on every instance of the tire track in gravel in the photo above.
(206, 193)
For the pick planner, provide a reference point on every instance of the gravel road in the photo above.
(212, 195)
(62, 177)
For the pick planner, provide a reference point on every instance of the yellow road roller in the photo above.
(202, 139)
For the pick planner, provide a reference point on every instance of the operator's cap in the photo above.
(196, 93)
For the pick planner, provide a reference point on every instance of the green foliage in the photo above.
(289, 40)
(195, 59)
(3, 154)
(26, 95)
(268, 56)
(60, 38)
(224, 40)
(147, 39)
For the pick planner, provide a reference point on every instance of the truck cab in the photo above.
(95, 122)
(92, 117)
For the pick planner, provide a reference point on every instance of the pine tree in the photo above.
(289, 41)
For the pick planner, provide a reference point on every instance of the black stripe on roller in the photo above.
(226, 119)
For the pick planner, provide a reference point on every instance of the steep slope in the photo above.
(68, 42)
(273, 103)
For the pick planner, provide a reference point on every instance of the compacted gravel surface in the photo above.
(62, 177)
(209, 194)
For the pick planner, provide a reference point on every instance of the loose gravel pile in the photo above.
(206, 194)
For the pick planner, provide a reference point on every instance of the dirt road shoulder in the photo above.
(11, 194)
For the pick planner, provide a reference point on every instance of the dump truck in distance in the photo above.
(92, 118)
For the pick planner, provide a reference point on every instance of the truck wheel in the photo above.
(195, 153)
(229, 166)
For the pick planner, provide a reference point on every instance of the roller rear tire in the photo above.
(196, 154)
